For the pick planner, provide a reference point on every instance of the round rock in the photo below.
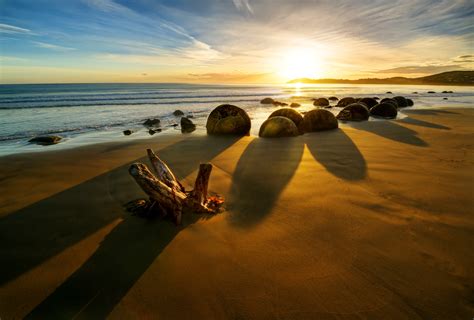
(354, 112)
(291, 114)
(276, 127)
(321, 102)
(319, 120)
(384, 110)
(228, 119)
(345, 102)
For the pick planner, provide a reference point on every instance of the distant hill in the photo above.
(458, 78)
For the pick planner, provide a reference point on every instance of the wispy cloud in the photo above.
(467, 58)
(50, 46)
(243, 5)
(6, 28)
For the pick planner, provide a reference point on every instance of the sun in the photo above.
(300, 63)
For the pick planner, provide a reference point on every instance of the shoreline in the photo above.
(351, 222)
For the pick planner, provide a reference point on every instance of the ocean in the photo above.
(92, 113)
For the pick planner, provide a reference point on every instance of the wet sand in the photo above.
(369, 221)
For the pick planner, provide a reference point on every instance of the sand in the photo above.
(369, 221)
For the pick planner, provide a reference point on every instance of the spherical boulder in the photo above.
(267, 101)
(321, 102)
(333, 98)
(390, 100)
(369, 102)
(295, 105)
(345, 102)
(178, 113)
(410, 102)
(354, 112)
(276, 127)
(401, 101)
(228, 119)
(151, 122)
(384, 110)
(289, 113)
(319, 120)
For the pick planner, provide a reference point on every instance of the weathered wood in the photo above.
(166, 193)
(163, 172)
(171, 200)
(199, 193)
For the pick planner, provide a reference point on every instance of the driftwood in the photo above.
(167, 195)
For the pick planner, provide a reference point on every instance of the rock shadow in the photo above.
(264, 169)
(391, 130)
(337, 153)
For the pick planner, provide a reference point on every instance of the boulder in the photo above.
(415, 92)
(410, 102)
(401, 101)
(295, 105)
(389, 92)
(354, 112)
(333, 98)
(278, 103)
(151, 122)
(321, 102)
(45, 140)
(289, 113)
(278, 126)
(369, 102)
(127, 132)
(431, 92)
(228, 119)
(390, 100)
(445, 98)
(345, 102)
(267, 101)
(384, 110)
(178, 113)
(376, 98)
(319, 120)
(187, 125)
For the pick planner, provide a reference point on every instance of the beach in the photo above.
(372, 220)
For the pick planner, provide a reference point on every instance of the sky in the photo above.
(231, 41)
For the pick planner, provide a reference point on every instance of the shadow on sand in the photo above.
(38, 232)
(264, 169)
(423, 123)
(345, 161)
(391, 130)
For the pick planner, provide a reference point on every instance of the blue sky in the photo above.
(231, 40)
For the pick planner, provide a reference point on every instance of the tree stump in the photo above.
(167, 195)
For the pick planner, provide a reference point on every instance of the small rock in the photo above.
(415, 92)
(376, 98)
(153, 131)
(267, 101)
(295, 105)
(445, 98)
(127, 132)
(321, 102)
(187, 125)
(46, 140)
(431, 92)
(333, 98)
(151, 122)
(389, 92)
(178, 113)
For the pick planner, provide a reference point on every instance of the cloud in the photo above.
(467, 58)
(422, 69)
(243, 5)
(6, 28)
(45, 45)
(231, 77)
